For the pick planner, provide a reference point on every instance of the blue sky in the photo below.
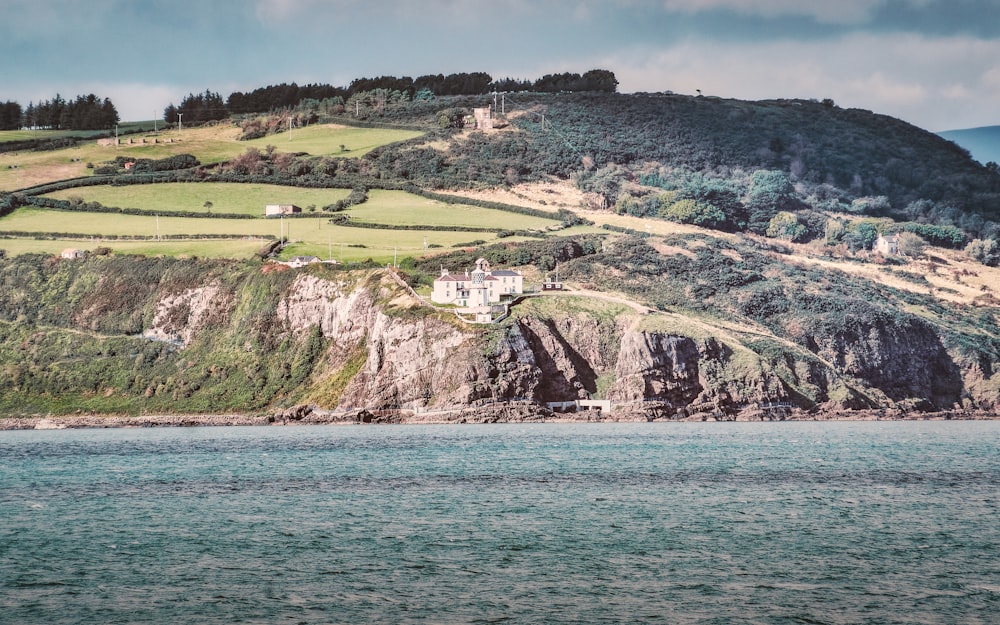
(933, 63)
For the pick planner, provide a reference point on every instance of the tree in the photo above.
(770, 192)
(860, 235)
(600, 80)
(878, 205)
(10, 115)
(170, 114)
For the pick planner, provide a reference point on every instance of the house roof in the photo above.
(453, 278)
(468, 278)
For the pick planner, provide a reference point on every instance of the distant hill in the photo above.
(983, 143)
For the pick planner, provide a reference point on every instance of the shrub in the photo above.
(688, 211)
(911, 244)
(785, 225)
(985, 251)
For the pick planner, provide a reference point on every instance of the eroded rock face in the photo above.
(657, 367)
(412, 363)
(904, 360)
(181, 316)
(341, 315)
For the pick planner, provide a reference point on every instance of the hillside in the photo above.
(718, 254)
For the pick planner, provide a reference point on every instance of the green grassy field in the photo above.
(322, 140)
(231, 198)
(401, 208)
(43, 135)
(309, 235)
(210, 144)
(200, 248)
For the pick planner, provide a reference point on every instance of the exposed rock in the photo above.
(179, 317)
(653, 366)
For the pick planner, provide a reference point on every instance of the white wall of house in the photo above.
(459, 289)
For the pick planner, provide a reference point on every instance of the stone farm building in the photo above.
(478, 288)
(274, 210)
(887, 246)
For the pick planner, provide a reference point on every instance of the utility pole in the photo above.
(180, 122)
(154, 122)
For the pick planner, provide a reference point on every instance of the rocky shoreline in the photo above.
(498, 413)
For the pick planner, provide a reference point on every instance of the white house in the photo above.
(887, 246)
(274, 210)
(72, 253)
(478, 288)
(301, 261)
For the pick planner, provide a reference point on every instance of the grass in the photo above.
(326, 139)
(401, 208)
(309, 236)
(7, 136)
(210, 144)
(231, 198)
(199, 248)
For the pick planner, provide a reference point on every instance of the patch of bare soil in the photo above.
(548, 196)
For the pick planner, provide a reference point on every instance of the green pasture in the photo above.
(202, 248)
(326, 139)
(210, 144)
(308, 235)
(230, 198)
(405, 209)
(28, 135)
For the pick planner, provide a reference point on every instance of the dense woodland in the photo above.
(85, 112)
(209, 106)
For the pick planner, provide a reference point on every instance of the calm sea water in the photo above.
(583, 523)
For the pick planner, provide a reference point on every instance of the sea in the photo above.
(713, 523)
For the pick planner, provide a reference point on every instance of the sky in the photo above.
(933, 63)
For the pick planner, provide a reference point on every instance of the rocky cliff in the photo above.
(346, 342)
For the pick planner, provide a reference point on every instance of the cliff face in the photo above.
(348, 342)
(385, 352)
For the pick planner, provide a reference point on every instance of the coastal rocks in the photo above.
(895, 359)
(293, 414)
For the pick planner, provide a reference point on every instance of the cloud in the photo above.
(823, 11)
(826, 11)
(907, 76)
